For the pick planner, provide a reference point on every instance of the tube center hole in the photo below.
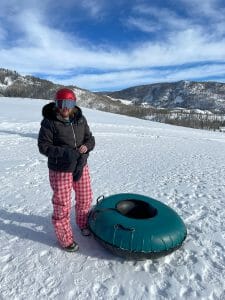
(136, 209)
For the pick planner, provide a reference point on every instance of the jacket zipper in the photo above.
(75, 142)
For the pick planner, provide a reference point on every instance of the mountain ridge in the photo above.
(183, 94)
(208, 95)
(12, 84)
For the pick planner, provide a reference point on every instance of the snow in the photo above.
(123, 101)
(178, 100)
(7, 82)
(182, 167)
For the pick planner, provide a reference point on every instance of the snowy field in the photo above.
(182, 167)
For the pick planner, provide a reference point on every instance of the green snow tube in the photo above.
(136, 227)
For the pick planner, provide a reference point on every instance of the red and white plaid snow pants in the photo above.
(62, 184)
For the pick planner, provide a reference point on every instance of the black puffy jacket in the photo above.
(59, 140)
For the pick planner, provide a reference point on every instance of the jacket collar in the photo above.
(49, 111)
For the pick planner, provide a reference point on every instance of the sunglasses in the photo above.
(65, 104)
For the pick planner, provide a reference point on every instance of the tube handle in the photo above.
(119, 226)
(100, 199)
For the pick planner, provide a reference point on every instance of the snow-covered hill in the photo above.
(185, 94)
(12, 84)
(184, 168)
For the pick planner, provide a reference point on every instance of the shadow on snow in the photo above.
(27, 135)
(39, 229)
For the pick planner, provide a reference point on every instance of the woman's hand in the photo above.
(83, 149)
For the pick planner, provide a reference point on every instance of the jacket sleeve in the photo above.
(45, 141)
(89, 139)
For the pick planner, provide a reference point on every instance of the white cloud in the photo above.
(121, 79)
(206, 16)
(149, 18)
(94, 7)
(207, 8)
(50, 51)
(209, 13)
(47, 50)
(194, 73)
(108, 80)
(143, 24)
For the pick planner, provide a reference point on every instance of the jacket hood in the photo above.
(49, 111)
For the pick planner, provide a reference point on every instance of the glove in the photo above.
(81, 162)
(77, 173)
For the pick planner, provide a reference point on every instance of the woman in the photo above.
(65, 138)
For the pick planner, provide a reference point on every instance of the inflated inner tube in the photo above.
(136, 227)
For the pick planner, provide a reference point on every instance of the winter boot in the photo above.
(72, 248)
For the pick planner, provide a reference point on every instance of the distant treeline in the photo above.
(191, 119)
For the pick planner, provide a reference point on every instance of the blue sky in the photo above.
(104, 45)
